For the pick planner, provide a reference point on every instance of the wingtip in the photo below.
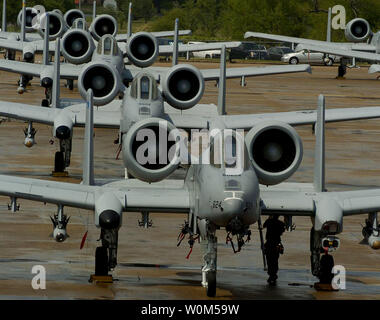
(247, 34)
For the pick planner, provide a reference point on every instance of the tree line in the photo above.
(228, 19)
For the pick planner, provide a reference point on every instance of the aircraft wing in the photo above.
(104, 117)
(276, 37)
(303, 41)
(28, 112)
(157, 34)
(213, 74)
(296, 118)
(302, 200)
(20, 67)
(68, 71)
(168, 196)
(166, 49)
(201, 120)
(341, 52)
(37, 44)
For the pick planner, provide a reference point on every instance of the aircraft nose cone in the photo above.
(46, 82)
(232, 206)
(109, 219)
(62, 132)
(28, 56)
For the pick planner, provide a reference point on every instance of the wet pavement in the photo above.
(151, 266)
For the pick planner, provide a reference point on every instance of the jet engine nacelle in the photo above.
(142, 49)
(57, 25)
(28, 53)
(275, 151)
(150, 151)
(30, 14)
(46, 77)
(183, 86)
(103, 24)
(108, 211)
(71, 15)
(77, 46)
(103, 79)
(63, 126)
(328, 216)
(358, 30)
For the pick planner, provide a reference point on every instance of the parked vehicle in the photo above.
(276, 53)
(205, 54)
(305, 56)
(248, 50)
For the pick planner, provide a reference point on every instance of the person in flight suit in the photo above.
(273, 246)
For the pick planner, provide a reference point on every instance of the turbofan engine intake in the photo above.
(151, 149)
(275, 151)
(103, 24)
(103, 79)
(77, 46)
(71, 15)
(183, 86)
(142, 49)
(57, 26)
(30, 14)
(358, 30)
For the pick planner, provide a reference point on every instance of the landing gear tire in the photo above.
(45, 103)
(211, 283)
(293, 61)
(101, 261)
(59, 162)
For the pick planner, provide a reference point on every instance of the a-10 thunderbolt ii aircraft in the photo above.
(29, 39)
(103, 75)
(78, 47)
(78, 43)
(364, 45)
(214, 195)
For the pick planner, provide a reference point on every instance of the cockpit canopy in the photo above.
(79, 23)
(107, 45)
(144, 86)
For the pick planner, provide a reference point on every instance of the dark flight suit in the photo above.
(275, 228)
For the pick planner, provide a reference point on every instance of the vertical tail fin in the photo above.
(4, 18)
(46, 24)
(88, 150)
(93, 10)
(129, 27)
(23, 21)
(57, 73)
(319, 156)
(328, 34)
(175, 43)
(222, 83)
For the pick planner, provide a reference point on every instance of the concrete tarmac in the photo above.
(150, 265)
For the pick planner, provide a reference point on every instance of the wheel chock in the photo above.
(59, 174)
(100, 279)
(324, 287)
